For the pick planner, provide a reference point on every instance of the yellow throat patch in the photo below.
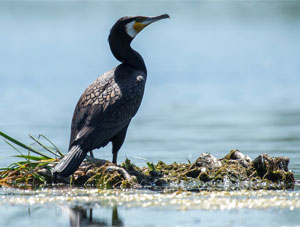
(139, 26)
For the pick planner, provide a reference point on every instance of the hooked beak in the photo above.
(149, 20)
(139, 26)
(134, 27)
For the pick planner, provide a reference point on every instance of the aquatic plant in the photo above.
(24, 173)
(235, 171)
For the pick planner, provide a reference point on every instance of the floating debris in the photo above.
(236, 171)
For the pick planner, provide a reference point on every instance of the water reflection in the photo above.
(82, 207)
(80, 216)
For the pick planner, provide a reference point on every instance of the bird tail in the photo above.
(70, 162)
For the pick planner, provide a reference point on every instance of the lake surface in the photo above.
(221, 75)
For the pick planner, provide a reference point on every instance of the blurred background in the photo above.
(221, 75)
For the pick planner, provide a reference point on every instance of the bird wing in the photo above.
(91, 109)
(101, 112)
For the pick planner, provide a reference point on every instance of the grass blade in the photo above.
(55, 147)
(22, 145)
(15, 149)
(29, 157)
(43, 146)
(151, 166)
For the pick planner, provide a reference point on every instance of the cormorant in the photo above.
(106, 107)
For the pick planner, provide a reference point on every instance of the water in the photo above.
(221, 75)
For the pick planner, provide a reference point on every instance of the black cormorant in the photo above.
(106, 107)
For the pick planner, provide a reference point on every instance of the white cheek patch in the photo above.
(130, 30)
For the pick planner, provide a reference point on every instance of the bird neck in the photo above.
(134, 59)
(125, 54)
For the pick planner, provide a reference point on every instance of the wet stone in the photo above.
(235, 154)
(267, 167)
(207, 160)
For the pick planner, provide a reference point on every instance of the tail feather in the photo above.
(70, 162)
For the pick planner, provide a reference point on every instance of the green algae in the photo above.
(235, 171)
(226, 174)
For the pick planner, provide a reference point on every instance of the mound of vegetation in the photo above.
(233, 172)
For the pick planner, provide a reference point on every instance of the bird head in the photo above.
(124, 31)
(129, 27)
(136, 24)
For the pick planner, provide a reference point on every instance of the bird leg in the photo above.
(115, 154)
(92, 154)
(117, 142)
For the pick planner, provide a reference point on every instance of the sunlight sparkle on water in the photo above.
(205, 200)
